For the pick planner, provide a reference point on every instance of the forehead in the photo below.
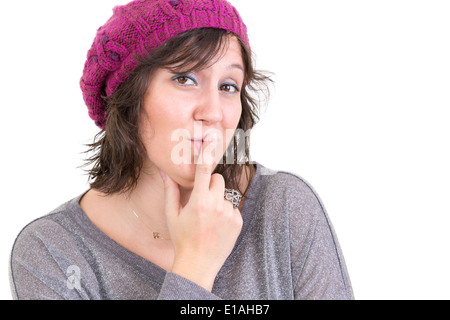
(234, 50)
(231, 56)
(195, 56)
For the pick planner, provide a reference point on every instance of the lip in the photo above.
(209, 137)
(201, 143)
(198, 145)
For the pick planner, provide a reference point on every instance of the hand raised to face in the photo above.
(205, 230)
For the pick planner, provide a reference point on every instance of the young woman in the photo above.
(176, 209)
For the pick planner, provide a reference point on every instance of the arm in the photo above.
(324, 274)
(318, 266)
(40, 267)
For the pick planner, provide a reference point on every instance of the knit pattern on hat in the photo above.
(138, 28)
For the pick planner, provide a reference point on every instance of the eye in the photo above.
(184, 80)
(229, 88)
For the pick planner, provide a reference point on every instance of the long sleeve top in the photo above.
(287, 249)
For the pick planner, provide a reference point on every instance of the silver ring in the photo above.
(233, 196)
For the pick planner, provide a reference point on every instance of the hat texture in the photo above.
(139, 27)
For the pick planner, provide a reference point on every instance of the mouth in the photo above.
(202, 142)
(208, 137)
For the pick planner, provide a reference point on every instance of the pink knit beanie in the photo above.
(138, 28)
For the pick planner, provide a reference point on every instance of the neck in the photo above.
(147, 200)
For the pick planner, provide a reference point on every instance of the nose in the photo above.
(208, 108)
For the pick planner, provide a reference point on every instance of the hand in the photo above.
(204, 231)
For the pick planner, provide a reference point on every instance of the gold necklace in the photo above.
(156, 235)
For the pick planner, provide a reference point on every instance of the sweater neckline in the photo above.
(148, 268)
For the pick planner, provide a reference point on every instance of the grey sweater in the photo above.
(287, 249)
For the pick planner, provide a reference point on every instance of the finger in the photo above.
(171, 196)
(217, 184)
(202, 174)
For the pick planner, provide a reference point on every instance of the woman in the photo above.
(176, 210)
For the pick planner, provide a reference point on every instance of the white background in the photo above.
(360, 109)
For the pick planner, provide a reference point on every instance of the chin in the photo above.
(184, 174)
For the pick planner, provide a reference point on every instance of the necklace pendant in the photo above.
(156, 235)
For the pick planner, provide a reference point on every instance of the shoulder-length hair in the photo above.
(117, 152)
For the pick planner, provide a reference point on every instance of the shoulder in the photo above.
(287, 203)
(42, 252)
(52, 227)
(289, 192)
(292, 185)
(292, 204)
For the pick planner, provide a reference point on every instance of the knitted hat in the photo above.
(138, 28)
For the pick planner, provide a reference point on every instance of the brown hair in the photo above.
(118, 151)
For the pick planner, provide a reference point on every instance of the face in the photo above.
(188, 112)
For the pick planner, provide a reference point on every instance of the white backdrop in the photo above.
(360, 109)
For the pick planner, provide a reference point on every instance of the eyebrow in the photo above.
(236, 66)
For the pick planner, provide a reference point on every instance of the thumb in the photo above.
(171, 196)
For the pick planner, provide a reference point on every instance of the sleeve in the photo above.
(318, 267)
(176, 287)
(40, 268)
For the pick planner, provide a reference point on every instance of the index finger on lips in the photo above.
(202, 173)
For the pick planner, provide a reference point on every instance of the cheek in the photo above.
(233, 118)
(238, 115)
(155, 133)
(232, 111)
(152, 128)
(231, 122)
(157, 115)
(162, 129)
